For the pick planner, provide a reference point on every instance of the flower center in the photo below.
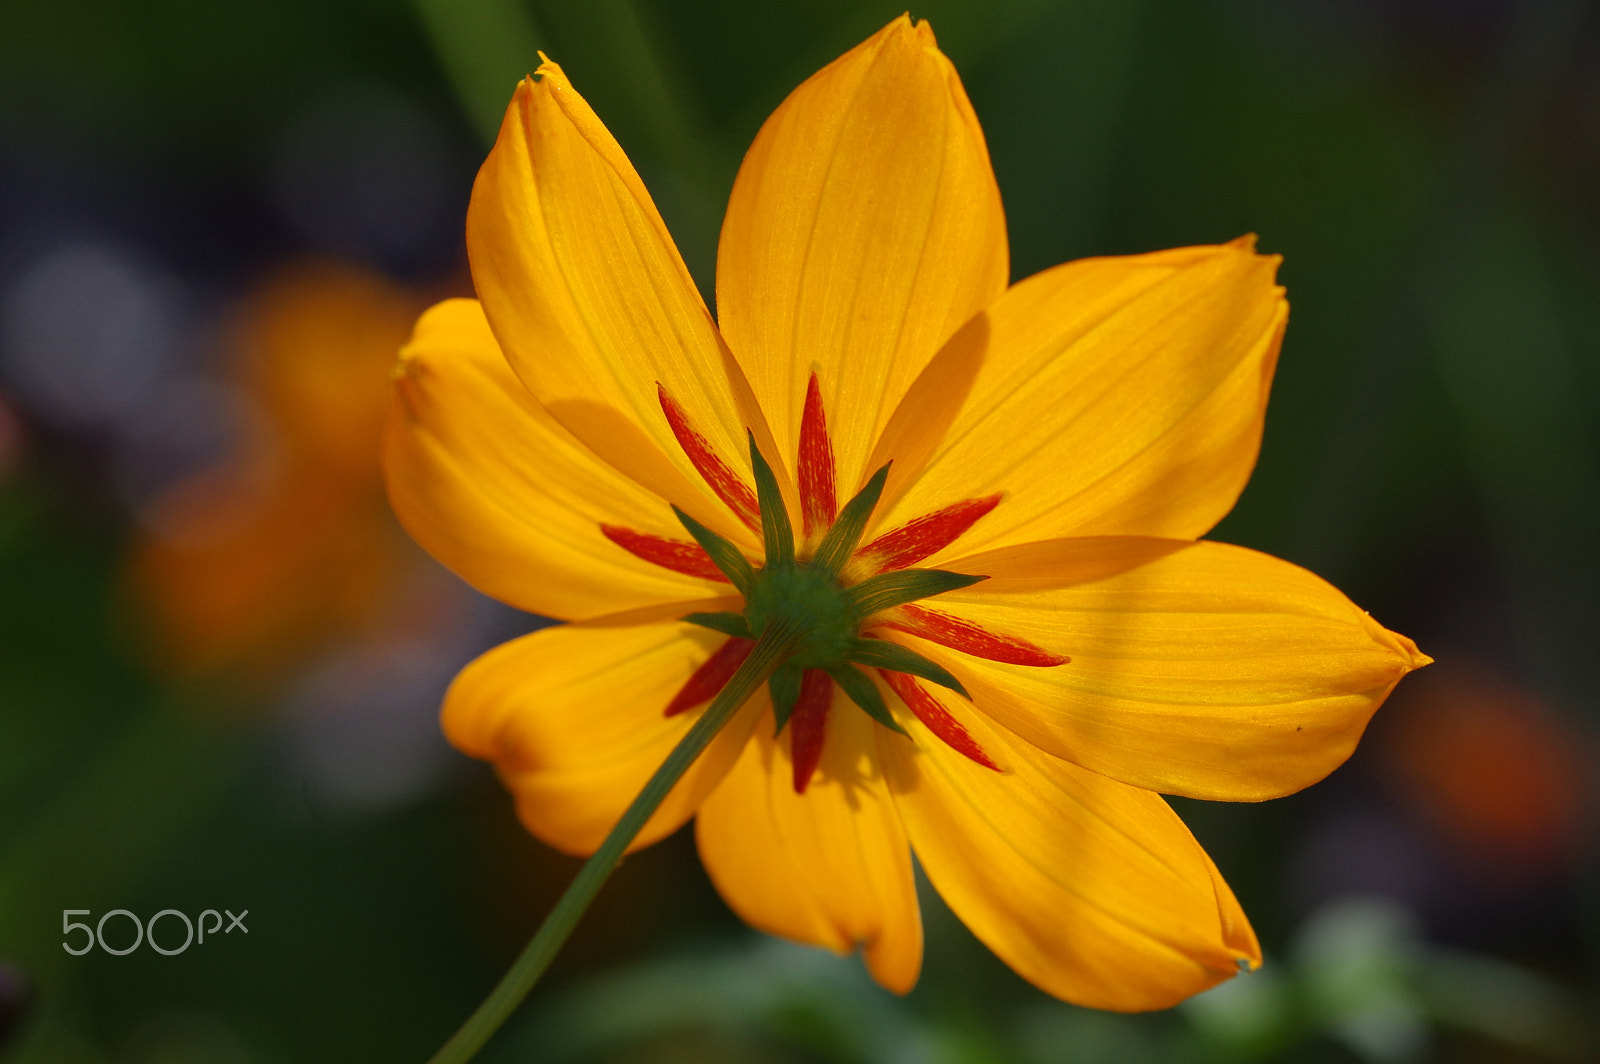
(818, 601)
(806, 608)
(814, 604)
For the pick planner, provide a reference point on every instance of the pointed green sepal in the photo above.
(777, 535)
(784, 687)
(860, 689)
(726, 622)
(901, 586)
(882, 654)
(841, 540)
(730, 560)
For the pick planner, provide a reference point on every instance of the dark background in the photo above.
(220, 660)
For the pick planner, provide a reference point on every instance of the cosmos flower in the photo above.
(982, 505)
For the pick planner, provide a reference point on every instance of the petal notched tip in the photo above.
(548, 86)
(1268, 264)
(1407, 658)
(919, 30)
(1253, 262)
(1247, 244)
(1415, 659)
(548, 71)
(908, 33)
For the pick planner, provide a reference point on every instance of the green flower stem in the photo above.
(770, 651)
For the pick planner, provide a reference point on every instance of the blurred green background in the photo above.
(220, 660)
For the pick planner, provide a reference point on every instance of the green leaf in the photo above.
(726, 622)
(901, 586)
(864, 693)
(724, 555)
(784, 687)
(841, 540)
(882, 654)
(777, 536)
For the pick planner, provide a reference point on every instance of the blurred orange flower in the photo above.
(288, 541)
(1501, 776)
(1068, 438)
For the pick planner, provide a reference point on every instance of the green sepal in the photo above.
(882, 654)
(902, 586)
(730, 560)
(726, 622)
(784, 687)
(840, 541)
(860, 689)
(777, 535)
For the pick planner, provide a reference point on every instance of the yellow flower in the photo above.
(1069, 438)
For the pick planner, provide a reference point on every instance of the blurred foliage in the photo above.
(1427, 169)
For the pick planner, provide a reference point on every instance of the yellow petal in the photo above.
(592, 303)
(1199, 669)
(1117, 396)
(572, 718)
(829, 867)
(1092, 890)
(864, 228)
(490, 485)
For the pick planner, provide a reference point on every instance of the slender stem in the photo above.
(536, 956)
